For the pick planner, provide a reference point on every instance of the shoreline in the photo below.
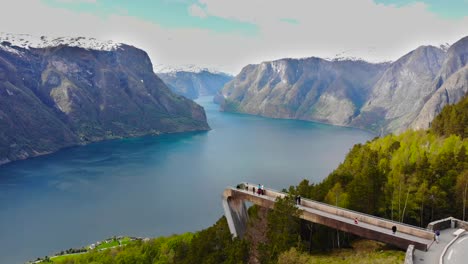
(7, 161)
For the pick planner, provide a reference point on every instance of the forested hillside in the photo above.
(212, 245)
(452, 120)
(414, 177)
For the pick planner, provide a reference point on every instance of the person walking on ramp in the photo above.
(437, 234)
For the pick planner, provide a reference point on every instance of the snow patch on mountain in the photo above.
(363, 54)
(160, 68)
(7, 48)
(27, 41)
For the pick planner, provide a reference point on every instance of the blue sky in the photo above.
(176, 14)
(167, 13)
(452, 9)
(229, 34)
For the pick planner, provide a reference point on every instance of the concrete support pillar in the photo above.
(236, 215)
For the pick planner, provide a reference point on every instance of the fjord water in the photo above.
(154, 186)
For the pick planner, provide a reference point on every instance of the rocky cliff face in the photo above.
(76, 91)
(400, 93)
(450, 85)
(307, 89)
(193, 84)
(383, 98)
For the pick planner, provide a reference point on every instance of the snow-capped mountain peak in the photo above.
(362, 54)
(29, 41)
(160, 68)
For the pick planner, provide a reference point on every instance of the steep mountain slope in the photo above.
(399, 95)
(308, 89)
(450, 85)
(193, 83)
(383, 98)
(63, 92)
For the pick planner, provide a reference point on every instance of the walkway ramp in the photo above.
(370, 227)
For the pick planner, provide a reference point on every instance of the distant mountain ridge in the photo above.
(160, 68)
(308, 89)
(381, 97)
(72, 91)
(27, 41)
(192, 81)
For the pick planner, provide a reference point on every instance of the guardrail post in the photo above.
(409, 255)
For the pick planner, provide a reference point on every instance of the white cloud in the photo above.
(327, 27)
(324, 28)
(196, 10)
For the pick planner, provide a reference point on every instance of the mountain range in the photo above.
(380, 97)
(60, 92)
(192, 81)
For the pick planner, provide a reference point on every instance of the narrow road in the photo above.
(457, 253)
(432, 255)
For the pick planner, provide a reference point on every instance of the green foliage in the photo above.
(215, 245)
(212, 245)
(413, 177)
(283, 229)
(368, 253)
(452, 120)
(337, 196)
(112, 243)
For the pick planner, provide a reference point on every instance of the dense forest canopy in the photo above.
(453, 120)
(415, 177)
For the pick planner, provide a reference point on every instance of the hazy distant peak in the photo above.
(27, 41)
(357, 55)
(344, 57)
(160, 68)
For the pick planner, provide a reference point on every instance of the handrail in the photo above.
(442, 256)
(345, 209)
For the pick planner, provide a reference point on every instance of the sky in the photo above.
(229, 34)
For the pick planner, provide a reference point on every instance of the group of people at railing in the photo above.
(260, 190)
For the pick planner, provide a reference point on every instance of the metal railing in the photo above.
(344, 209)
